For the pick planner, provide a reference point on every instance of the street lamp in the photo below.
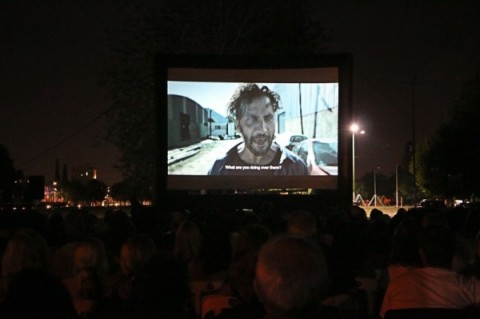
(354, 128)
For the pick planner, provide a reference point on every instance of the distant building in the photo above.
(189, 122)
(60, 180)
(29, 189)
(219, 126)
(83, 173)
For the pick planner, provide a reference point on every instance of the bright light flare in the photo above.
(355, 128)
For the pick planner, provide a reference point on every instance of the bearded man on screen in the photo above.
(252, 108)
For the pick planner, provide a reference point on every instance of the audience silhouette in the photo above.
(211, 262)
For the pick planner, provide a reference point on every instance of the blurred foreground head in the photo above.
(291, 277)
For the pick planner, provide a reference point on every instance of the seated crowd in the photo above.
(266, 263)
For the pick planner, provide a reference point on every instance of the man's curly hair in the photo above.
(245, 94)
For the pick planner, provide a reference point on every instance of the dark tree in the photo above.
(122, 191)
(224, 27)
(90, 191)
(75, 192)
(448, 160)
(404, 174)
(96, 190)
(7, 175)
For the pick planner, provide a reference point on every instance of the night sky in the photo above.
(51, 100)
(52, 58)
(438, 42)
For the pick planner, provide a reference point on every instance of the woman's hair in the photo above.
(90, 254)
(136, 252)
(188, 242)
(26, 249)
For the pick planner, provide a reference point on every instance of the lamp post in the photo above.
(354, 128)
(375, 197)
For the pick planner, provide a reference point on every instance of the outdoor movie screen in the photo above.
(253, 128)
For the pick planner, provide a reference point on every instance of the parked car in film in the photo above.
(320, 155)
(295, 139)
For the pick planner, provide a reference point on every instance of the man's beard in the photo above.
(259, 144)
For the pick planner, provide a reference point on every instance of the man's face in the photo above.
(258, 126)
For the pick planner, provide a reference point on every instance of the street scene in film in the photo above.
(303, 126)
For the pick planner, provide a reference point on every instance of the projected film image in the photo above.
(252, 129)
